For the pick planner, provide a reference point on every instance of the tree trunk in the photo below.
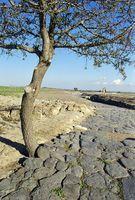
(30, 93)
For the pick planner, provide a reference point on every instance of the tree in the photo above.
(101, 30)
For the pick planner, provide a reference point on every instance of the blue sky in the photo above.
(67, 71)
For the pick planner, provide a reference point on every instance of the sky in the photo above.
(67, 71)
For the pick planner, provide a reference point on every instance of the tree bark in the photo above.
(26, 114)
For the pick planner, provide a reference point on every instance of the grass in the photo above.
(59, 192)
(18, 91)
(11, 91)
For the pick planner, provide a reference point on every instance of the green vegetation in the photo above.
(11, 91)
(83, 185)
(120, 188)
(59, 192)
(105, 161)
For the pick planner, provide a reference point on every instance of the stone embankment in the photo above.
(98, 164)
(110, 99)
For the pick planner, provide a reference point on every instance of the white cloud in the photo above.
(117, 82)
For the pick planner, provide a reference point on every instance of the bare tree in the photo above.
(101, 30)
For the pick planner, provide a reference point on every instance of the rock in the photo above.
(18, 175)
(95, 181)
(20, 194)
(50, 163)
(33, 163)
(84, 194)
(98, 194)
(70, 158)
(29, 184)
(130, 155)
(71, 179)
(43, 172)
(111, 157)
(129, 188)
(61, 166)
(129, 142)
(114, 188)
(75, 146)
(91, 165)
(71, 191)
(59, 154)
(27, 174)
(91, 151)
(5, 187)
(47, 186)
(43, 152)
(87, 137)
(77, 171)
(116, 170)
(38, 194)
(128, 163)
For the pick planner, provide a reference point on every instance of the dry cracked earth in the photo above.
(98, 164)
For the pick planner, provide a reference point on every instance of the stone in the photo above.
(64, 138)
(28, 174)
(61, 166)
(87, 137)
(29, 184)
(130, 155)
(129, 188)
(91, 165)
(114, 186)
(39, 194)
(43, 152)
(71, 191)
(51, 183)
(59, 154)
(18, 175)
(128, 163)
(33, 163)
(43, 172)
(95, 181)
(47, 186)
(115, 170)
(71, 135)
(50, 163)
(84, 194)
(20, 194)
(77, 171)
(5, 186)
(111, 157)
(71, 179)
(129, 142)
(91, 151)
(98, 194)
(75, 145)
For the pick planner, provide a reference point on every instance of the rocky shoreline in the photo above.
(111, 100)
(98, 164)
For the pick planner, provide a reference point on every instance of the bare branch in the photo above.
(12, 2)
(20, 47)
